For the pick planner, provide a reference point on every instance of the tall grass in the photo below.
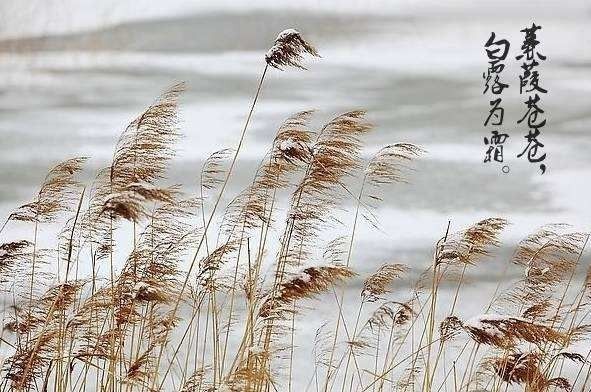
(147, 287)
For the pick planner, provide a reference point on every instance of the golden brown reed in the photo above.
(310, 282)
(503, 331)
(379, 282)
(288, 50)
(136, 318)
(55, 195)
(524, 369)
(470, 245)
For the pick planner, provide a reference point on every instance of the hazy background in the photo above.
(74, 73)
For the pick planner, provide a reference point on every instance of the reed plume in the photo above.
(141, 157)
(378, 283)
(12, 256)
(288, 50)
(310, 282)
(503, 331)
(55, 195)
(468, 246)
(391, 164)
(223, 185)
(524, 369)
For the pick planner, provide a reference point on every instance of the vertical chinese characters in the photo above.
(496, 51)
(529, 84)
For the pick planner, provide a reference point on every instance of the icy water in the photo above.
(416, 70)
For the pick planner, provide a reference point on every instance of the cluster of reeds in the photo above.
(148, 288)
